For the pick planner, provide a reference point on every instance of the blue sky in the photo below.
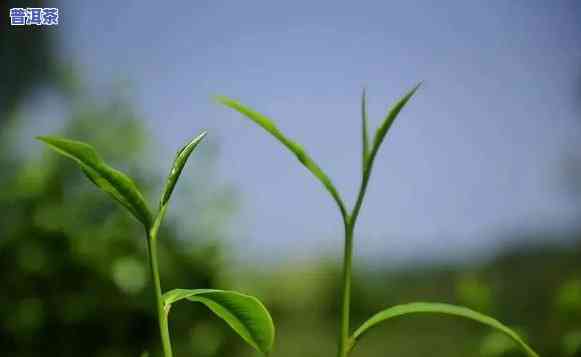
(476, 154)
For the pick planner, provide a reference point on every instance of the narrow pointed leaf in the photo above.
(243, 313)
(364, 130)
(180, 161)
(114, 182)
(294, 147)
(384, 127)
(445, 309)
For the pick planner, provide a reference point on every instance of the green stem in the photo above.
(161, 314)
(346, 291)
(350, 221)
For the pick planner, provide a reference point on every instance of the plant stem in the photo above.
(346, 291)
(153, 263)
(350, 221)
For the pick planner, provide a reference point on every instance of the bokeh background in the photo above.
(475, 197)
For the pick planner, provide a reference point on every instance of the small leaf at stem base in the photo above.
(245, 314)
(444, 309)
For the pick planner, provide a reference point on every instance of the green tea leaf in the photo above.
(299, 152)
(180, 161)
(108, 179)
(364, 131)
(384, 127)
(245, 314)
(438, 308)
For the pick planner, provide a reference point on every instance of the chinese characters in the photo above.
(39, 16)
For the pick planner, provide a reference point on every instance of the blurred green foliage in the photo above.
(531, 288)
(72, 264)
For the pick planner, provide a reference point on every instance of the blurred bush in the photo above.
(72, 264)
(531, 288)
